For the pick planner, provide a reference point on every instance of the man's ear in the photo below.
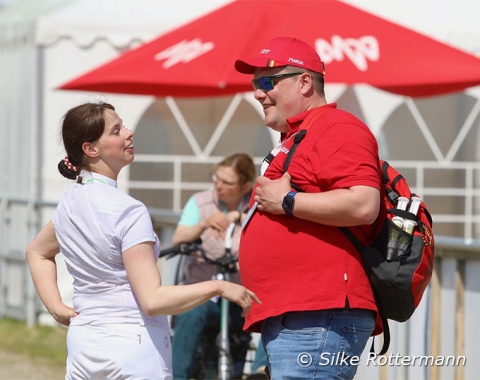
(307, 83)
(89, 149)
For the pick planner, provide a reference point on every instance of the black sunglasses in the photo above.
(266, 83)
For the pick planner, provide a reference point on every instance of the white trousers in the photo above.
(118, 351)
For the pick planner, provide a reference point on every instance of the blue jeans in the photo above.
(190, 326)
(323, 344)
(260, 358)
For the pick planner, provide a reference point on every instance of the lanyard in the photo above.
(270, 156)
(265, 164)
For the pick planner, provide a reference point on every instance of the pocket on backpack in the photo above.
(399, 243)
(389, 277)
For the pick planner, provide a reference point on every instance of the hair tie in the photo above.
(69, 165)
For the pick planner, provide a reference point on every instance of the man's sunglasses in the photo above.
(266, 83)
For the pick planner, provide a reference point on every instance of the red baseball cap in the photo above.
(283, 51)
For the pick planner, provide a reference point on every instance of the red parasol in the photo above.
(197, 59)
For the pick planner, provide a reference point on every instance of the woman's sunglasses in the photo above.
(266, 83)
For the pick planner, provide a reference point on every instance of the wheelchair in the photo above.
(223, 353)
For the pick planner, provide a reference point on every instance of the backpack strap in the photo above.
(386, 330)
(296, 140)
(353, 239)
(386, 339)
(391, 194)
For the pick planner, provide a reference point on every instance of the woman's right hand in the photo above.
(63, 313)
(240, 295)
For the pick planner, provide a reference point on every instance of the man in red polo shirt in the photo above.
(318, 309)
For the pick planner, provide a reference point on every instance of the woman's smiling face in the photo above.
(115, 145)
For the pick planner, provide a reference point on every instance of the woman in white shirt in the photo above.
(118, 327)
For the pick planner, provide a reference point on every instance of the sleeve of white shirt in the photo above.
(134, 226)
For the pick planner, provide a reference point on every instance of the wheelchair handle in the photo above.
(183, 249)
(225, 262)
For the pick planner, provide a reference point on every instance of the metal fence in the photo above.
(449, 322)
(20, 221)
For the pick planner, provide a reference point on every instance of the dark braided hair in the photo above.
(84, 123)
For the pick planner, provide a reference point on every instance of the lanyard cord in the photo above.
(273, 153)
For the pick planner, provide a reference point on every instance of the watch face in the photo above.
(288, 202)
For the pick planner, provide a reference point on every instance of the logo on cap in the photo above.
(297, 61)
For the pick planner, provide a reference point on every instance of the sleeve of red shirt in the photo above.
(345, 155)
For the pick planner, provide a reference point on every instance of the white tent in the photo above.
(43, 44)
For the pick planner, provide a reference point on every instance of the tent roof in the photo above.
(86, 21)
(118, 22)
(28, 9)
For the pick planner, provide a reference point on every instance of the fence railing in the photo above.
(453, 305)
(453, 257)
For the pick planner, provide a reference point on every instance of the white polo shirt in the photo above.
(95, 223)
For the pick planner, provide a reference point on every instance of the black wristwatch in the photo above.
(289, 202)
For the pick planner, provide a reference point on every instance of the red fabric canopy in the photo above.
(197, 59)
